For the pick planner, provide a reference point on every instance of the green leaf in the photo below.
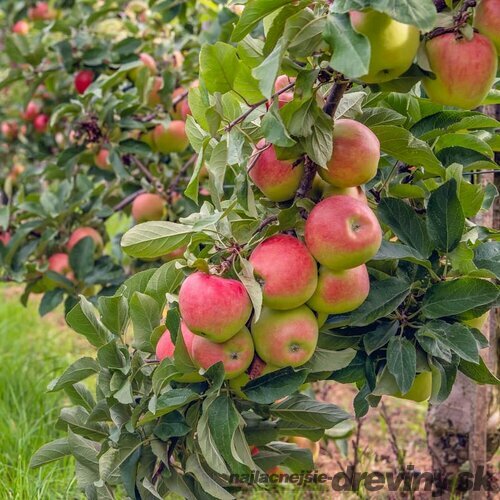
(168, 402)
(450, 298)
(251, 285)
(324, 360)
(254, 12)
(468, 141)
(267, 71)
(307, 411)
(219, 65)
(480, 373)
(166, 279)
(420, 13)
(79, 370)
(50, 301)
(391, 251)
(194, 467)
(319, 144)
(171, 425)
(111, 460)
(287, 428)
(405, 224)
(114, 313)
(80, 395)
(487, 256)
(136, 283)
(50, 452)
(384, 297)
(84, 450)
(380, 336)
(351, 50)
(146, 316)
(445, 217)
(274, 130)
(275, 385)
(402, 362)
(402, 145)
(82, 318)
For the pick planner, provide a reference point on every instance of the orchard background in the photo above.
(252, 236)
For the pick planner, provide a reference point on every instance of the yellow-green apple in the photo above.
(41, 12)
(214, 307)
(278, 180)
(420, 390)
(342, 232)
(478, 322)
(322, 317)
(59, 263)
(340, 292)
(83, 232)
(83, 80)
(146, 62)
(21, 27)
(285, 338)
(5, 238)
(101, 159)
(393, 44)
(31, 111)
(464, 69)
(148, 207)
(171, 138)
(147, 138)
(356, 192)
(181, 109)
(281, 82)
(40, 123)
(236, 354)
(307, 444)
(487, 20)
(154, 97)
(355, 157)
(288, 271)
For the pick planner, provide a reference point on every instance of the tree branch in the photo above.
(459, 20)
(126, 201)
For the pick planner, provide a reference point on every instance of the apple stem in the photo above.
(459, 20)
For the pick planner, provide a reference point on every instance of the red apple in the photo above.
(236, 354)
(101, 159)
(356, 192)
(464, 69)
(342, 232)
(278, 180)
(148, 62)
(41, 12)
(487, 21)
(289, 272)
(340, 292)
(59, 263)
(9, 130)
(83, 80)
(355, 157)
(148, 207)
(21, 27)
(172, 138)
(5, 238)
(165, 347)
(83, 232)
(31, 112)
(181, 110)
(214, 307)
(40, 123)
(285, 338)
(281, 82)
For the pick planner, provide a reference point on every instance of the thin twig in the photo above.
(253, 107)
(151, 178)
(175, 181)
(459, 21)
(179, 98)
(126, 201)
(266, 222)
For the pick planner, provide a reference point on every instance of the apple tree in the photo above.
(336, 241)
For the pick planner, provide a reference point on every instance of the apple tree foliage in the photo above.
(142, 431)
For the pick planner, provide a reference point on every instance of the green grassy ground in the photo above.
(32, 352)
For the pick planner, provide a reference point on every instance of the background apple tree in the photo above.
(274, 81)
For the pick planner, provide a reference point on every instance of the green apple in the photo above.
(172, 138)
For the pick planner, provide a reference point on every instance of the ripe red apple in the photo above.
(148, 62)
(289, 272)
(181, 110)
(5, 238)
(165, 347)
(214, 307)
(487, 21)
(83, 80)
(393, 44)
(172, 138)
(278, 180)
(83, 232)
(9, 130)
(281, 82)
(285, 338)
(356, 192)
(154, 95)
(21, 27)
(236, 354)
(147, 207)
(355, 157)
(101, 159)
(59, 263)
(40, 123)
(32, 111)
(464, 69)
(340, 292)
(342, 232)
(41, 12)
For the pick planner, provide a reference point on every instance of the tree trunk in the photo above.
(458, 430)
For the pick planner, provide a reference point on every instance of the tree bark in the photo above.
(458, 430)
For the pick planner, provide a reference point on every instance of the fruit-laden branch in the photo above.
(253, 107)
(149, 176)
(459, 20)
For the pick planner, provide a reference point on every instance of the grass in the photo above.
(32, 352)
